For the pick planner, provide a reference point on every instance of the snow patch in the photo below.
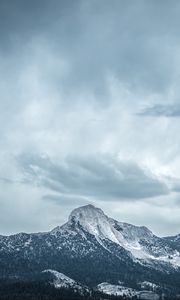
(120, 290)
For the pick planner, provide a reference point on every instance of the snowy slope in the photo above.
(174, 241)
(120, 290)
(63, 281)
(117, 290)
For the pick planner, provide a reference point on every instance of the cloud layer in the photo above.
(89, 106)
(159, 110)
(99, 177)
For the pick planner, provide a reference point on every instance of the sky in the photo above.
(89, 112)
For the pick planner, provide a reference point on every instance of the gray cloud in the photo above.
(97, 177)
(98, 38)
(159, 110)
(73, 75)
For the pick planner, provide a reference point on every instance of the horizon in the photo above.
(90, 112)
(79, 207)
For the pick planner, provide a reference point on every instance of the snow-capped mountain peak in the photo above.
(93, 220)
(132, 238)
(138, 241)
(86, 212)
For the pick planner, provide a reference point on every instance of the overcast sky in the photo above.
(89, 112)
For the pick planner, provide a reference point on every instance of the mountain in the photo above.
(92, 248)
(139, 242)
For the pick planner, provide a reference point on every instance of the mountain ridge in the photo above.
(92, 248)
(132, 238)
